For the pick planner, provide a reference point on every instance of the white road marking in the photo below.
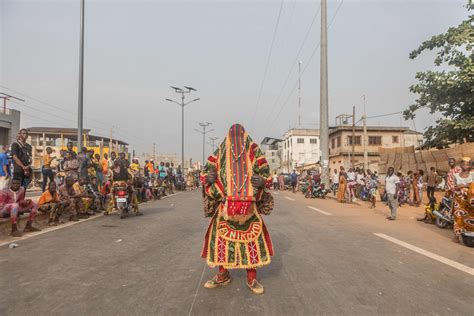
(320, 211)
(168, 196)
(428, 254)
(49, 229)
(288, 198)
(197, 289)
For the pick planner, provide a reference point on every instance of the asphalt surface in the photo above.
(323, 264)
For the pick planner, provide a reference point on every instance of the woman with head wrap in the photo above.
(463, 200)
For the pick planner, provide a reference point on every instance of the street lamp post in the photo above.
(81, 81)
(203, 132)
(323, 96)
(182, 104)
(213, 140)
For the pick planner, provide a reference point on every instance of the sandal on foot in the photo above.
(256, 287)
(215, 282)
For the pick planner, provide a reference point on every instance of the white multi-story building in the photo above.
(272, 148)
(300, 148)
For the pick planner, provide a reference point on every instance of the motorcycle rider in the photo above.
(294, 180)
(122, 177)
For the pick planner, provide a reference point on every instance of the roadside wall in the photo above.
(406, 158)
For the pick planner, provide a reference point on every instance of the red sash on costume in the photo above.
(238, 207)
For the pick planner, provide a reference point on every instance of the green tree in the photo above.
(448, 91)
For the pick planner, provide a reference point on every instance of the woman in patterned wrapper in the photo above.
(463, 200)
(235, 195)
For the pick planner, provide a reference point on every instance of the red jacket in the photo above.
(8, 196)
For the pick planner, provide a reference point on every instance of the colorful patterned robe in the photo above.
(237, 237)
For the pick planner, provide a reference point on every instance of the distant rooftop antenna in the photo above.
(343, 119)
(299, 93)
(7, 97)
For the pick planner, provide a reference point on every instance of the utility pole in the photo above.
(6, 97)
(353, 135)
(299, 93)
(203, 132)
(182, 104)
(111, 140)
(80, 110)
(213, 139)
(154, 152)
(366, 155)
(323, 94)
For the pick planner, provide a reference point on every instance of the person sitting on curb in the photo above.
(73, 198)
(97, 198)
(87, 199)
(13, 203)
(50, 202)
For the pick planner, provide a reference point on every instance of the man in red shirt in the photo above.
(13, 203)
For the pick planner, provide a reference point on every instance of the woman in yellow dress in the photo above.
(341, 193)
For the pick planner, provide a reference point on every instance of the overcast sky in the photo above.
(134, 50)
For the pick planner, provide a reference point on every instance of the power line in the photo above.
(125, 133)
(304, 69)
(49, 113)
(295, 60)
(268, 62)
(68, 112)
(40, 118)
(382, 115)
(105, 131)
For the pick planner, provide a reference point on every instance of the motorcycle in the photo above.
(304, 187)
(317, 191)
(468, 238)
(122, 200)
(444, 215)
(364, 194)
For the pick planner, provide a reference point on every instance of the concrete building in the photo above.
(272, 147)
(340, 143)
(300, 148)
(58, 137)
(158, 157)
(9, 126)
(170, 158)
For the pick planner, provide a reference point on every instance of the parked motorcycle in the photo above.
(444, 214)
(317, 191)
(304, 187)
(364, 194)
(122, 200)
(468, 238)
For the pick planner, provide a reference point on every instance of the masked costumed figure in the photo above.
(235, 181)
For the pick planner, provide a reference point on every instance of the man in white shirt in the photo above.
(392, 185)
(351, 184)
(275, 182)
(351, 176)
(335, 182)
(335, 177)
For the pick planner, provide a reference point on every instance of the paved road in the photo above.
(324, 264)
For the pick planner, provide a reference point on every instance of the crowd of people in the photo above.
(80, 184)
(396, 189)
